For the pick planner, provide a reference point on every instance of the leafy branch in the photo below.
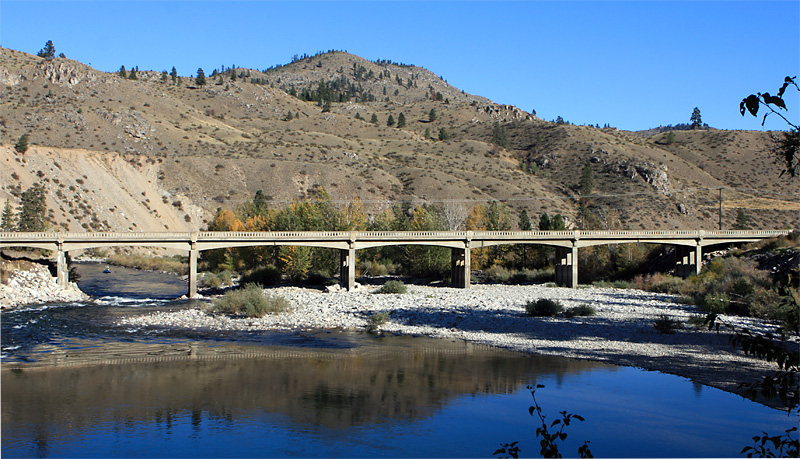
(752, 102)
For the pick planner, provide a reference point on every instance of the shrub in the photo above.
(582, 310)
(393, 286)
(267, 275)
(377, 319)
(317, 278)
(498, 275)
(666, 324)
(543, 307)
(250, 301)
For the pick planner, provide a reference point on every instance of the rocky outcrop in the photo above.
(35, 285)
(59, 71)
(504, 112)
(655, 176)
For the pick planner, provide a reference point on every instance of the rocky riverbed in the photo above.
(621, 332)
(33, 284)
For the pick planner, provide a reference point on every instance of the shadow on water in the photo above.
(128, 283)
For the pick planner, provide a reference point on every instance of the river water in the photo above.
(76, 385)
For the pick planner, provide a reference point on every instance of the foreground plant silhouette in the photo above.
(549, 440)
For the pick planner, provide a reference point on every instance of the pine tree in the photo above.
(390, 121)
(401, 120)
(432, 115)
(22, 144)
(374, 119)
(587, 179)
(8, 222)
(499, 135)
(122, 72)
(525, 221)
(164, 77)
(742, 220)
(174, 75)
(33, 209)
(132, 74)
(200, 80)
(49, 51)
(427, 134)
(696, 120)
(443, 134)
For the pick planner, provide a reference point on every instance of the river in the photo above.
(76, 385)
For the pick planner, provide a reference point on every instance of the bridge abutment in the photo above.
(567, 266)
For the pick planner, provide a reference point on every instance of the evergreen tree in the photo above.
(132, 74)
(443, 134)
(33, 209)
(49, 51)
(427, 134)
(401, 120)
(200, 79)
(122, 72)
(8, 222)
(390, 121)
(374, 119)
(164, 76)
(499, 135)
(525, 223)
(22, 144)
(174, 75)
(358, 116)
(587, 179)
(742, 220)
(696, 120)
(432, 115)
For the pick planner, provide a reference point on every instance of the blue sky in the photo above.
(631, 64)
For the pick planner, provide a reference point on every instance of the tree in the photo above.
(697, 121)
(525, 223)
(49, 51)
(390, 121)
(132, 74)
(427, 133)
(587, 179)
(742, 220)
(164, 76)
(432, 115)
(33, 209)
(174, 75)
(122, 72)
(374, 119)
(786, 150)
(499, 135)
(401, 120)
(443, 134)
(22, 144)
(9, 220)
(200, 79)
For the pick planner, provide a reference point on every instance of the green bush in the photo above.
(582, 311)
(666, 324)
(374, 321)
(543, 307)
(266, 275)
(393, 286)
(250, 301)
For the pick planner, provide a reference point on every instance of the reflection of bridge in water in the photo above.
(688, 245)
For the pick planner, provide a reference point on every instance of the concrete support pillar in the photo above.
(688, 260)
(460, 267)
(193, 255)
(347, 268)
(62, 269)
(567, 266)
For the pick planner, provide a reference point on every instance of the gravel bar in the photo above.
(621, 332)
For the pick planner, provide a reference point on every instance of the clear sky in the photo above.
(631, 64)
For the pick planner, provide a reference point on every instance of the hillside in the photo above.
(150, 154)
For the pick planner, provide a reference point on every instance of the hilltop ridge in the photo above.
(171, 153)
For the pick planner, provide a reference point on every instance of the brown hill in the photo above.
(150, 154)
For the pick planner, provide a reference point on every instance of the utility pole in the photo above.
(720, 209)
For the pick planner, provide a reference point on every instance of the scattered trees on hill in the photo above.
(33, 209)
(49, 51)
(499, 135)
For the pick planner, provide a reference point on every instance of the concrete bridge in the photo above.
(688, 244)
